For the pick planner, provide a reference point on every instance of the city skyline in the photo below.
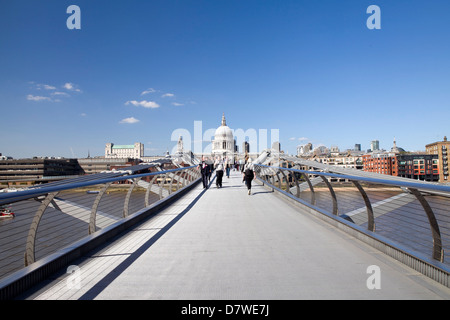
(137, 71)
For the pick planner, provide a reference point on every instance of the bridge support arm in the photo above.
(370, 217)
(31, 239)
(127, 198)
(93, 217)
(333, 195)
(438, 251)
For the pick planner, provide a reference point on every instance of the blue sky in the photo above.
(311, 69)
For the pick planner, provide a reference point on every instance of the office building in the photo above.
(26, 171)
(418, 166)
(384, 163)
(441, 149)
(135, 151)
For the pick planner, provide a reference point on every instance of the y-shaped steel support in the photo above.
(333, 195)
(31, 239)
(149, 187)
(93, 217)
(370, 218)
(438, 251)
(296, 184)
(127, 198)
(287, 182)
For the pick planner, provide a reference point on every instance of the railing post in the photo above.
(279, 181)
(184, 179)
(173, 175)
(287, 183)
(31, 239)
(311, 187)
(127, 198)
(147, 193)
(162, 186)
(296, 184)
(93, 217)
(370, 217)
(333, 195)
(438, 251)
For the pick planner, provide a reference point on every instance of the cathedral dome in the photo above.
(223, 139)
(224, 132)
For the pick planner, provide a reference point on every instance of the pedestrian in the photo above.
(219, 172)
(210, 169)
(204, 169)
(249, 175)
(228, 169)
(243, 164)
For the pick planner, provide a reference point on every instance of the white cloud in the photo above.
(55, 95)
(40, 86)
(37, 98)
(59, 93)
(177, 104)
(170, 95)
(71, 87)
(143, 103)
(48, 87)
(68, 86)
(129, 120)
(149, 90)
(299, 139)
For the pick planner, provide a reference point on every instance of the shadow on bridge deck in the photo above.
(224, 244)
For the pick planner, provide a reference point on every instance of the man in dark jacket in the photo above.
(205, 170)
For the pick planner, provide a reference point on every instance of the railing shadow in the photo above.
(117, 271)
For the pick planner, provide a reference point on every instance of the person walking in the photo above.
(210, 170)
(205, 171)
(249, 175)
(219, 172)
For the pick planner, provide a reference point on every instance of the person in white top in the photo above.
(249, 175)
(219, 172)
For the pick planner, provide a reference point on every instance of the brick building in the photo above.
(418, 166)
(414, 166)
(441, 149)
(384, 163)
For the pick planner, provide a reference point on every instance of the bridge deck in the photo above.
(225, 244)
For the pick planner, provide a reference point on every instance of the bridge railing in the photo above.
(49, 218)
(412, 216)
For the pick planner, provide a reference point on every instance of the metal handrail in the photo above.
(419, 190)
(405, 184)
(34, 202)
(10, 197)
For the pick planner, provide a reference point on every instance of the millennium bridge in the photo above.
(151, 231)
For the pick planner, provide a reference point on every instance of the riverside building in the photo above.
(135, 151)
(441, 149)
